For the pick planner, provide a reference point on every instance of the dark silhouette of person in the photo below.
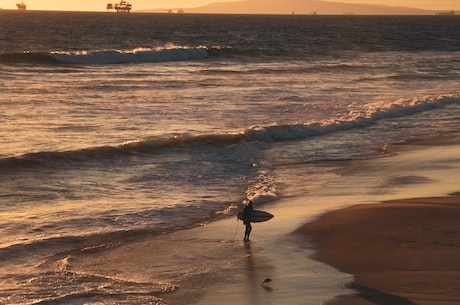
(247, 212)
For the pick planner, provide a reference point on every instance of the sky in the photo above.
(100, 5)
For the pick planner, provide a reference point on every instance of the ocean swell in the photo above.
(138, 55)
(358, 116)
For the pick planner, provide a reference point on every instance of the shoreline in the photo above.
(401, 251)
(405, 256)
(201, 265)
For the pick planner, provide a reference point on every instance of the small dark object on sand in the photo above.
(266, 281)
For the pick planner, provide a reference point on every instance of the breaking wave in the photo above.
(358, 116)
(138, 55)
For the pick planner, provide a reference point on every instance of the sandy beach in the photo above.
(401, 252)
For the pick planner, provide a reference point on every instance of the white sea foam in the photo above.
(137, 55)
(358, 116)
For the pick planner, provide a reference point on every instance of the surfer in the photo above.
(247, 212)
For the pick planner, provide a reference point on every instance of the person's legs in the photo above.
(248, 231)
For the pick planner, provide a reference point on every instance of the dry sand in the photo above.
(401, 252)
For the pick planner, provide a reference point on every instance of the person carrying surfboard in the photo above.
(247, 212)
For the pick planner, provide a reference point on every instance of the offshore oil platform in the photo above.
(122, 7)
(21, 6)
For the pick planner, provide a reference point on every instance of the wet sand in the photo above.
(210, 264)
(390, 252)
(401, 252)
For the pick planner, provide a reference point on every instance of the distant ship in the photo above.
(446, 13)
(174, 11)
(21, 6)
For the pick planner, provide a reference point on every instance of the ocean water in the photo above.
(116, 127)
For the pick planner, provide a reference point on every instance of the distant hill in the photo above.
(302, 7)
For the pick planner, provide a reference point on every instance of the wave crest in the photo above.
(137, 55)
(358, 116)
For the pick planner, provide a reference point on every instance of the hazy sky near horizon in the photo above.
(99, 5)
